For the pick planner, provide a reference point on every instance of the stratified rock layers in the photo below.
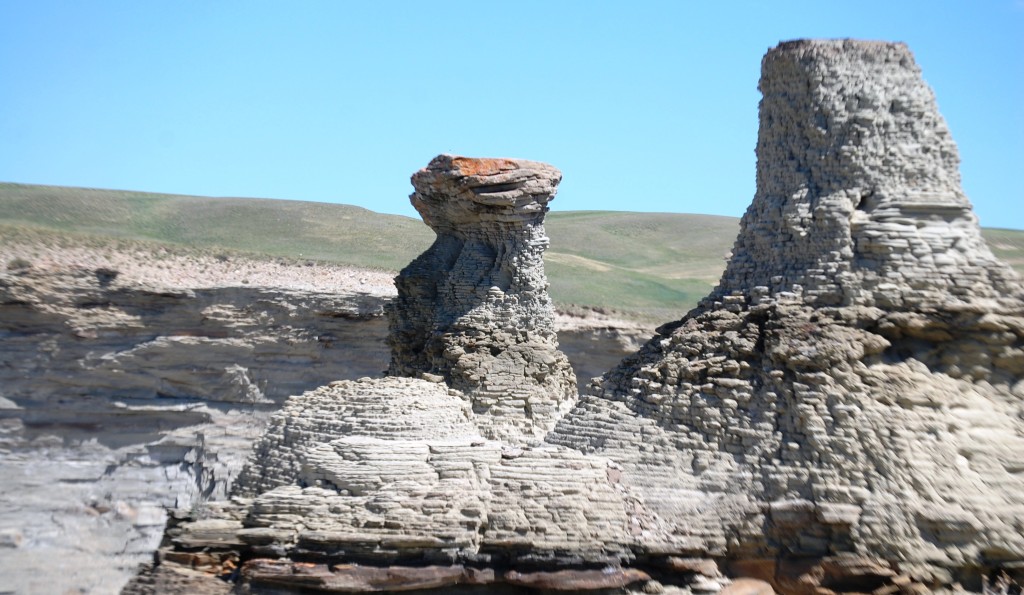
(854, 385)
(858, 186)
(434, 463)
(845, 411)
(474, 308)
(394, 470)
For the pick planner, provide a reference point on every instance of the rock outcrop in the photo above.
(845, 411)
(858, 187)
(854, 385)
(474, 308)
(430, 465)
(134, 382)
(119, 400)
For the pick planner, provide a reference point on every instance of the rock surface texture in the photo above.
(119, 400)
(854, 385)
(844, 413)
(135, 382)
(433, 468)
(474, 308)
(858, 187)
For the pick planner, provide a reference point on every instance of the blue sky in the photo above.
(645, 106)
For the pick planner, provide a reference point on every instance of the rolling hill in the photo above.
(650, 265)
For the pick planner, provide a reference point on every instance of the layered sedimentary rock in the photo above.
(119, 400)
(854, 385)
(407, 477)
(858, 187)
(474, 308)
(431, 464)
(845, 412)
(440, 463)
(132, 397)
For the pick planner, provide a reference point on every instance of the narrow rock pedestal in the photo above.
(474, 308)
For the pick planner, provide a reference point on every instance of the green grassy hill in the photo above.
(651, 265)
(658, 264)
(283, 228)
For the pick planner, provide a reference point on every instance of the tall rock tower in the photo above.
(855, 384)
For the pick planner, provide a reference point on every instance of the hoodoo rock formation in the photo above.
(845, 411)
(431, 464)
(858, 187)
(854, 385)
(474, 308)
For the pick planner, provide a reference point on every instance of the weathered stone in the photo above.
(577, 580)
(174, 578)
(352, 578)
(701, 566)
(842, 403)
(747, 586)
(831, 396)
(858, 189)
(146, 389)
(474, 308)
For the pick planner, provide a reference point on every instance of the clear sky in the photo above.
(644, 106)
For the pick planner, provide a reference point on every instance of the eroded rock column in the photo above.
(474, 308)
(852, 393)
(858, 186)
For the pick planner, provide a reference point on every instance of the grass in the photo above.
(292, 229)
(653, 266)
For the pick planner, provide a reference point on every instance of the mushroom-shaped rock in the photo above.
(474, 308)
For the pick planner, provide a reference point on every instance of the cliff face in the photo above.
(78, 335)
(119, 400)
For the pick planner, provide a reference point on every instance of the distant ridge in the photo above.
(652, 265)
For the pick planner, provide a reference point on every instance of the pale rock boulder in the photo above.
(394, 469)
